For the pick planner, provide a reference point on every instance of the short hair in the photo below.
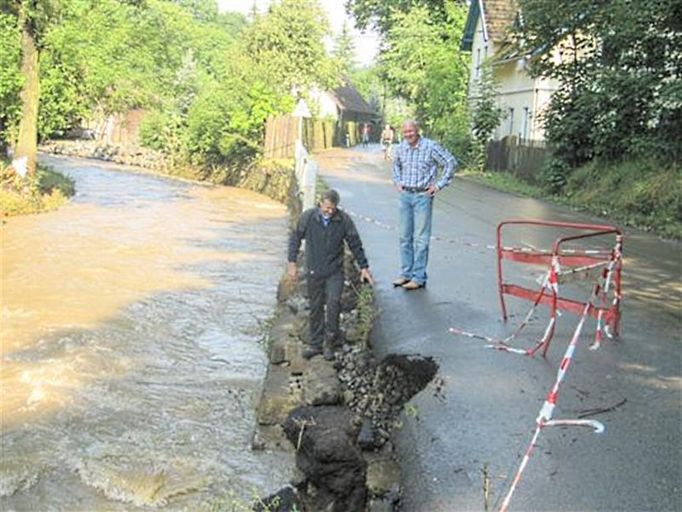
(332, 196)
(413, 122)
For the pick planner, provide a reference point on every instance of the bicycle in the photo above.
(388, 149)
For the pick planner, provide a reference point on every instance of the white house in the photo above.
(343, 104)
(521, 97)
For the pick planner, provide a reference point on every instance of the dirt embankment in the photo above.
(273, 178)
(336, 415)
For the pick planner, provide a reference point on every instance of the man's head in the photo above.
(329, 202)
(411, 131)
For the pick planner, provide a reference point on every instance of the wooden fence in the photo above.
(521, 158)
(281, 133)
(280, 137)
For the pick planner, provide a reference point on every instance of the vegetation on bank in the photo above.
(47, 190)
(641, 193)
(207, 80)
(638, 193)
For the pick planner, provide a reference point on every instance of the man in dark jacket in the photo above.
(324, 229)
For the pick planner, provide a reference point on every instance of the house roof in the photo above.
(498, 16)
(349, 99)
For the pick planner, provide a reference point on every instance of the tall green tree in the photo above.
(486, 114)
(115, 69)
(382, 14)
(344, 50)
(10, 76)
(619, 64)
(31, 16)
(287, 44)
(421, 62)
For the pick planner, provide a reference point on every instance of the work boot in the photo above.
(311, 351)
(328, 352)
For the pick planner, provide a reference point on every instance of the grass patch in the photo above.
(48, 190)
(639, 193)
(367, 313)
(505, 182)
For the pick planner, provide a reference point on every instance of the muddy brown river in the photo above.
(132, 345)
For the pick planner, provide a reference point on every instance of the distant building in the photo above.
(344, 104)
(522, 98)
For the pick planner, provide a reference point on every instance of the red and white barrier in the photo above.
(544, 418)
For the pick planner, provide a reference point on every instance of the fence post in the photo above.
(309, 181)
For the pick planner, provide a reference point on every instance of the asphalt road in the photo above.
(461, 447)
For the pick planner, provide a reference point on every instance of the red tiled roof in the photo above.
(499, 17)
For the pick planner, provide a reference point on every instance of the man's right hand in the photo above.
(292, 272)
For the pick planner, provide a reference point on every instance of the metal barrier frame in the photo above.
(586, 258)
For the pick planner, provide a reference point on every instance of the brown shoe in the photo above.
(413, 285)
(401, 281)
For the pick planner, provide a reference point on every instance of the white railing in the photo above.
(306, 175)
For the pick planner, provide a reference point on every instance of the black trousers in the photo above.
(324, 291)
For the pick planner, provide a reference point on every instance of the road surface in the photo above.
(461, 448)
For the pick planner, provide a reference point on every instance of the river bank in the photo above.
(132, 361)
(273, 178)
(337, 416)
(351, 405)
(46, 191)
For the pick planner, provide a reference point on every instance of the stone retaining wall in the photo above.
(336, 415)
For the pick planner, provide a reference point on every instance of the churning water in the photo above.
(131, 362)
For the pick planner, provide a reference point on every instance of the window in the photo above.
(511, 121)
(526, 118)
(478, 62)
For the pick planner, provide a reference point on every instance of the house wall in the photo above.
(328, 108)
(521, 97)
(323, 105)
(523, 100)
(481, 49)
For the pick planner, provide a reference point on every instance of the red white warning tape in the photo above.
(433, 237)
(544, 418)
(466, 243)
(550, 282)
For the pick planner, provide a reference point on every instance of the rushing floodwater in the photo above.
(131, 361)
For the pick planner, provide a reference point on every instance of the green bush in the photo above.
(155, 129)
(48, 190)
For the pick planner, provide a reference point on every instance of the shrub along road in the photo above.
(461, 445)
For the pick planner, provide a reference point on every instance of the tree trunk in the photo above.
(27, 144)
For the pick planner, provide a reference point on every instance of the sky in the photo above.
(366, 44)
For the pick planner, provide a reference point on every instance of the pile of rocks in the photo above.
(377, 392)
(338, 416)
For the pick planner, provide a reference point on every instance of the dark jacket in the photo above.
(324, 245)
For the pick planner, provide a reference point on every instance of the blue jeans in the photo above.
(415, 234)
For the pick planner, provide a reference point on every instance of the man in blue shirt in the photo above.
(415, 174)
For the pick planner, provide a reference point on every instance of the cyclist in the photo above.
(387, 136)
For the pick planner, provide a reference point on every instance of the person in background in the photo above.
(415, 174)
(325, 228)
(365, 134)
(387, 136)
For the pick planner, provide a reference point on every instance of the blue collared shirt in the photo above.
(325, 220)
(417, 167)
